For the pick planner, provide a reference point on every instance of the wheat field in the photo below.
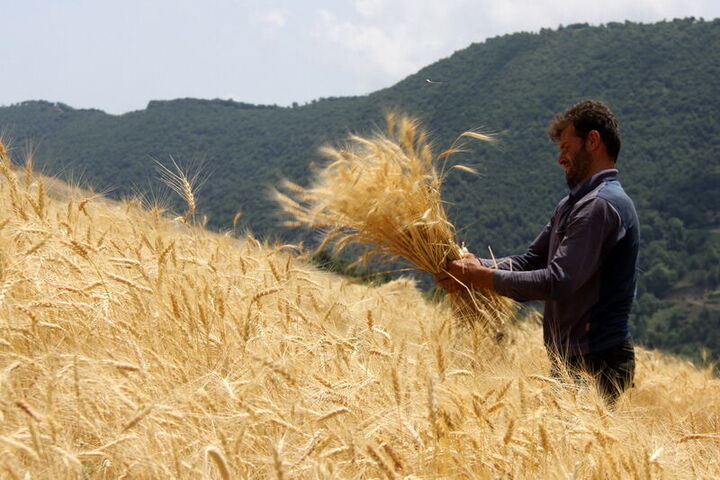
(137, 346)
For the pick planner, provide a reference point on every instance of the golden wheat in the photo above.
(183, 185)
(384, 192)
(304, 376)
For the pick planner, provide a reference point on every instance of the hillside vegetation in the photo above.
(135, 346)
(660, 79)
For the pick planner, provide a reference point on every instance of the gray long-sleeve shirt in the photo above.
(583, 265)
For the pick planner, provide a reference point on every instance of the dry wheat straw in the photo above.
(389, 473)
(333, 414)
(137, 418)
(700, 436)
(294, 398)
(384, 192)
(183, 185)
(28, 410)
(219, 459)
(278, 463)
(14, 188)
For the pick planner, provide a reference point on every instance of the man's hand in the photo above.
(467, 272)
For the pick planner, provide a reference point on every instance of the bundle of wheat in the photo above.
(384, 192)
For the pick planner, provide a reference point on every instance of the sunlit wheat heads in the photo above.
(136, 346)
(384, 192)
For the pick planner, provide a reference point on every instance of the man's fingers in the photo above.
(450, 287)
(453, 287)
(447, 282)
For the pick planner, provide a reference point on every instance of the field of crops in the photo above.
(133, 345)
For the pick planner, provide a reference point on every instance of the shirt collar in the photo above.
(582, 188)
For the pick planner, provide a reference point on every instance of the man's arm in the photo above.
(588, 236)
(535, 258)
(473, 272)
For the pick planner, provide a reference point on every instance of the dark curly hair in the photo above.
(586, 116)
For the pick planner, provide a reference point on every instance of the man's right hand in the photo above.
(465, 273)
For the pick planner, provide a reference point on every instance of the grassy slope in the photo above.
(134, 345)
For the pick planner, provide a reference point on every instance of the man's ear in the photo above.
(593, 140)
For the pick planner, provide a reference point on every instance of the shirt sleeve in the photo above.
(590, 232)
(535, 257)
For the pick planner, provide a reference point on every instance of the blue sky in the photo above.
(118, 55)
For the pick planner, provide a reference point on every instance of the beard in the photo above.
(579, 168)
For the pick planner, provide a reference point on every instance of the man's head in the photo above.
(588, 137)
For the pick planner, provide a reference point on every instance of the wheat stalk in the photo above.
(384, 192)
(184, 185)
(219, 459)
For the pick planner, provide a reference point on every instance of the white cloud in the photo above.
(390, 39)
(370, 8)
(271, 21)
(370, 46)
(382, 41)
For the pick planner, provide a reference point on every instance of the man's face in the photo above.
(574, 158)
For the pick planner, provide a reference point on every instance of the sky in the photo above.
(118, 55)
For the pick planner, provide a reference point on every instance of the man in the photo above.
(584, 262)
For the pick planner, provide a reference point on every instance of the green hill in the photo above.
(660, 79)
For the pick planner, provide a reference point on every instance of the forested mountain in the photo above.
(660, 79)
